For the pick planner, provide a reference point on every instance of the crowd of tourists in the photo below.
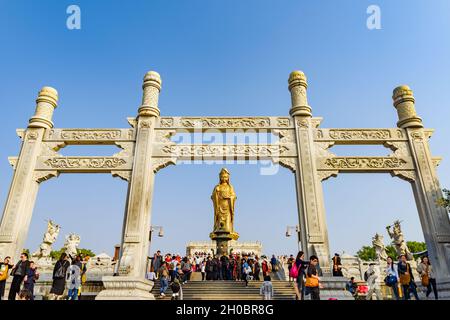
(173, 270)
(398, 276)
(68, 271)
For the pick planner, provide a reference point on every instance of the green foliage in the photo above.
(367, 253)
(390, 250)
(415, 246)
(85, 252)
(27, 251)
(445, 202)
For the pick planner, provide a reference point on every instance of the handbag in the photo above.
(405, 279)
(390, 280)
(426, 278)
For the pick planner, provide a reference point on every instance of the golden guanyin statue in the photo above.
(224, 198)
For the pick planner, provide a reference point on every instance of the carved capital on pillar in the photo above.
(13, 161)
(403, 99)
(159, 163)
(407, 175)
(124, 175)
(46, 103)
(288, 163)
(299, 101)
(324, 175)
(151, 88)
(40, 176)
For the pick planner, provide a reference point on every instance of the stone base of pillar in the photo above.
(125, 288)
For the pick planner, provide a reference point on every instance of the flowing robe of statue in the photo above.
(49, 238)
(380, 249)
(224, 198)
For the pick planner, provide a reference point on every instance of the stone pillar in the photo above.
(427, 190)
(24, 187)
(313, 229)
(131, 282)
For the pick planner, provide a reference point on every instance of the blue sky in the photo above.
(224, 58)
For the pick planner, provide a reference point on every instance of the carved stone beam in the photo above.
(224, 123)
(364, 164)
(84, 164)
(224, 152)
(90, 136)
(360, 136)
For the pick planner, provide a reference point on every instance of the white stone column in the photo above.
(131, 282)
(313, 228)
(24, 186)
(427, 190)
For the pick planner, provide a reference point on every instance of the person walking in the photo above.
(256, 269)
(391, 279)
(290, 261)
(59, 277)
(406, 279)
(203, 269)
(157, 260)
(209, 269)
(337, 267)
(163, 275)
(5, 266)
(186, 267)
(19, 273)
(74, 279)
(265, 267)
(371, 277)
(247, 270)
(312, 283)
(427, 276)
(273, 262)
(266, 289)
(32, 276)
(299, 266)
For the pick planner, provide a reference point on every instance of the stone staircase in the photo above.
(228, 290)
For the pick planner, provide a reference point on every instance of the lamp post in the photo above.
(154, 228)
(150, 233)
(297, 229)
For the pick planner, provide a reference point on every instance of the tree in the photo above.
(415, 246)
(366, 253)
(445, 202)
(85, 252)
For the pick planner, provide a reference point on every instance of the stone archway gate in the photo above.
(146, 148)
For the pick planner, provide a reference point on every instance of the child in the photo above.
(32, 276)
(267, 289)
(74, 279)
(177, 292)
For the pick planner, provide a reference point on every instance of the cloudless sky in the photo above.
(225, 58)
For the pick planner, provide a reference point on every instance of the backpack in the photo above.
(293, 273)
(59, 273)
(366, 275)
(175, 286)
